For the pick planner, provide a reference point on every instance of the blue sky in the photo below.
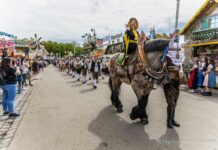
(68, 20)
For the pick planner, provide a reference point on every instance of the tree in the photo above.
(62, 49)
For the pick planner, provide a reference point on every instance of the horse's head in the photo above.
(156, 51)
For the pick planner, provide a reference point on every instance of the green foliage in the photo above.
(62, 49)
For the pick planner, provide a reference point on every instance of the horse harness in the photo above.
(144, 67)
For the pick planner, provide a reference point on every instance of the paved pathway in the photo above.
(66, 115)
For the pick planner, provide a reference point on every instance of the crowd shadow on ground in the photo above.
(118, 134)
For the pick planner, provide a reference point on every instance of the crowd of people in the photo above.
(199, 72)
(84, 68)
(201, 76)
(15, 75)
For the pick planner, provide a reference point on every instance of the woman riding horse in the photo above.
(131, 37)
(142, 76)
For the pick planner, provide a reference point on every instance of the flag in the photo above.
(99, 42)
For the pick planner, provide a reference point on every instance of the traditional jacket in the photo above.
(93, 65)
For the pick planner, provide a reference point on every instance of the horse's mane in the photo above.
(156, 45)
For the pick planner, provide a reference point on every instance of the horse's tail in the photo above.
(110, 83)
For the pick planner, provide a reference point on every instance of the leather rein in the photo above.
(149, 72)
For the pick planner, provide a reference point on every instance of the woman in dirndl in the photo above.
(193, 80)
(210, 79)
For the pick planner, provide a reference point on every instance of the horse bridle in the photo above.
(150, 73)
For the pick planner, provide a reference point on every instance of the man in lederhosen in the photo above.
(95, 69)
(84, 69)
(78, 68)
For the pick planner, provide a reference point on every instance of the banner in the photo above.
(7, 34)
(7, 44)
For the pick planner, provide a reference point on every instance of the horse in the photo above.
(157, 67)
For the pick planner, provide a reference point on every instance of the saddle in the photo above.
(129, 59)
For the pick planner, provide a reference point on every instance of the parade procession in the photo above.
(109, 75)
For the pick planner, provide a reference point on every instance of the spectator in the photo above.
(187, 71)
(25, 70)
(9, 89)
(210, 78)
(192, 83)
(200, 78)
(19, 80)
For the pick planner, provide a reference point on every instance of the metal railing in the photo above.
(211, 33)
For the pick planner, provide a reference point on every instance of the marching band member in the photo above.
(78, 68)
(89, 68)
(103, 66)
(95, 69)
(84, 69)
(73, 67)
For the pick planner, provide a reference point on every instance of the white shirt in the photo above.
(25, 68)
(96, 68)
(210, 66)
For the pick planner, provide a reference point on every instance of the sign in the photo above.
(9, 45)
(7, 34)
(4, 44)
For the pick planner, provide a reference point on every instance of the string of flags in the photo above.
(112, 37)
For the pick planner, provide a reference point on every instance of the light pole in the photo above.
(177, 14)
(176, 27)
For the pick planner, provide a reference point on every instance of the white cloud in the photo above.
(67, 20)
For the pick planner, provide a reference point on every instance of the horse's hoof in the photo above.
(132, 116)
(176, 124)
(144, 121)
(170, 125)
(119, 110)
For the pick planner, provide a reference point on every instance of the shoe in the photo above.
(89, 78)
(191, 91)
(175, 123)
(84, 82)
(205, 94)
(95, 87)
(14, 115)
(78, 80)
(5, 113)
(31, 85)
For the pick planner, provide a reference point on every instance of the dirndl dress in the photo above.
(200, 78)
(206, 80)
(212, 79)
